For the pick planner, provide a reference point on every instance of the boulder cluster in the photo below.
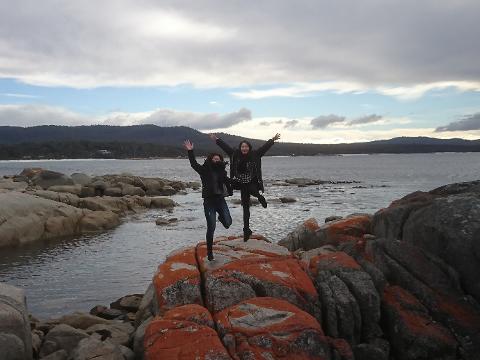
(399, 284)
(40, 204)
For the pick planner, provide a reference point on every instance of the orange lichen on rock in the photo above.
(331, 261)
(351, 228)
(182, 340)
(411, 329)
(191, 312)
(269, 328)
(177, 280)
(311, 224)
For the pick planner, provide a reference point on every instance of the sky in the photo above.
(314, 71)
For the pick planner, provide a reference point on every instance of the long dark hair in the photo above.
(244, 159)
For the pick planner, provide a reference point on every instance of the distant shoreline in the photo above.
(273, 156)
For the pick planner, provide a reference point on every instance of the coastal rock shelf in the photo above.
(40, 204)
(387, 286)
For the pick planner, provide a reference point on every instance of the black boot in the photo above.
(210, 256)
(262, 200)
(246, 234)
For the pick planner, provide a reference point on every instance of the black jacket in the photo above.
(256, 156)
(214, 180)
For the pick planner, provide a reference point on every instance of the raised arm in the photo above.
(223, 145)
(265, 147)
(187, 144)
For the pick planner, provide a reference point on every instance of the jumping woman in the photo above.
(215, 186)
(246, 174)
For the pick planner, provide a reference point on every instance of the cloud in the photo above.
(323, 121)
(33, 115)
(22, 96)
(404, 93)
(471, 122)
(220, 43)
(270, 122)
(290, 123)
(365, 120)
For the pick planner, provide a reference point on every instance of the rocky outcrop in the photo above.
(26, 218)
(444, 222)
(341, 292)
(15, 335)
(39, 204)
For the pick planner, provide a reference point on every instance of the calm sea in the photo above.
(77, 274)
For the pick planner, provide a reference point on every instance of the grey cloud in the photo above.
(471, 122)
(290, 123)
(365, 120)
(267, 123)
(215, 42)
(200, 121)
(323, 121)
(32, 115)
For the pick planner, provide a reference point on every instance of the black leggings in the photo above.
(245, 191)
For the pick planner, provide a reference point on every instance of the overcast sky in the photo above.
(316, 71)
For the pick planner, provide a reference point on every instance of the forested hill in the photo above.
(155, 141)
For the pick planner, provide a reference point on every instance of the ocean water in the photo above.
(78, 273)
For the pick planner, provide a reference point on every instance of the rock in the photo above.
(333, 218)
(303, 237)
(47, 178)
(132, 190)
(57, 355)
(177, 281)
(87, 191)
(244, 270)
(94, 221)
(129, 303)
(62, 337)
(106, 313)
(9, 184)
(303, 182)
(434, 284)
(105, 203)
(15, 334)
(81, 179)
(350, 300)
(162, 203)
(152, 185)
(117, 333)
(71, 189)
(249, 331)
(30, 172)
(194, 185)
(66, 198)
(82, 321)
(162, 221)
(27, 218)
(167, 191)
(413, 334)
(181, 339)
(36, 341)
(139, 338)
(148, 307)
(287, 200)
(253, 201)
(127, 353)
(191, 312)
(113, 191)
(92, 348)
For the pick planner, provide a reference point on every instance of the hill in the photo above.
(153, 141)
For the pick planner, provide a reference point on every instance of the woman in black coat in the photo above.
(246, 174)
(215, 186)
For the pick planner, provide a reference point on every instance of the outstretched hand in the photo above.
(276, 137)
(187, 144)
(213, 137)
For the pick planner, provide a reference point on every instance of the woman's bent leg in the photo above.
(254, 191)
(224, 214)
